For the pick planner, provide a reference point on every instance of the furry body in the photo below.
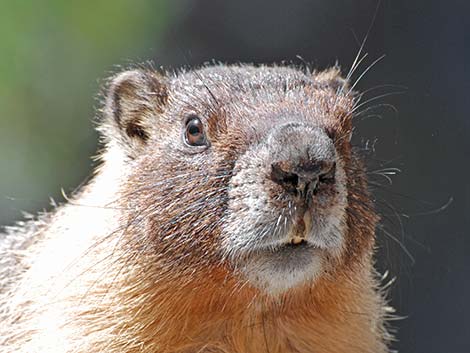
(146, 257)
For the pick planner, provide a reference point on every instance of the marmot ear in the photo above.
(332, 78)
(133, 101)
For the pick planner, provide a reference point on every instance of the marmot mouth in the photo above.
(293, 245)
(295, 239)
(297, 235)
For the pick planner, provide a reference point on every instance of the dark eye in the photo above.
(194, 133)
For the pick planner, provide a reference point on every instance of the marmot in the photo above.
(229, 214)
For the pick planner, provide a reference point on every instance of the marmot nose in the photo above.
(303, 178)
(302, 158)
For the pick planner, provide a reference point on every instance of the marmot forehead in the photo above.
(253, 94)
(242, 82)
(243, 76)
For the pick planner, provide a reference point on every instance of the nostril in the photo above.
(304, 177)
(290, 179)
(281, 175)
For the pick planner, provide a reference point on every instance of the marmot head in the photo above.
(243, 170)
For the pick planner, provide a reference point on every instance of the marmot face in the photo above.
(246, 169)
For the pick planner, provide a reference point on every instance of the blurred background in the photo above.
(55, 54)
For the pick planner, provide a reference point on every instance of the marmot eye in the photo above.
(194, 133)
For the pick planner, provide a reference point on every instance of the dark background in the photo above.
(55, 53)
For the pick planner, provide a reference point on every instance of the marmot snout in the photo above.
(300, 179)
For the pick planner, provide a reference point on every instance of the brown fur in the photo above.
(132, 263)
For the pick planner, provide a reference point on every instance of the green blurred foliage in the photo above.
(53, 54)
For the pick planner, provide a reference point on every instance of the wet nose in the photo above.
(302, 159)
(303, 178)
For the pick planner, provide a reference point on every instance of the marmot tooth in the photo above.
(297, 240)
